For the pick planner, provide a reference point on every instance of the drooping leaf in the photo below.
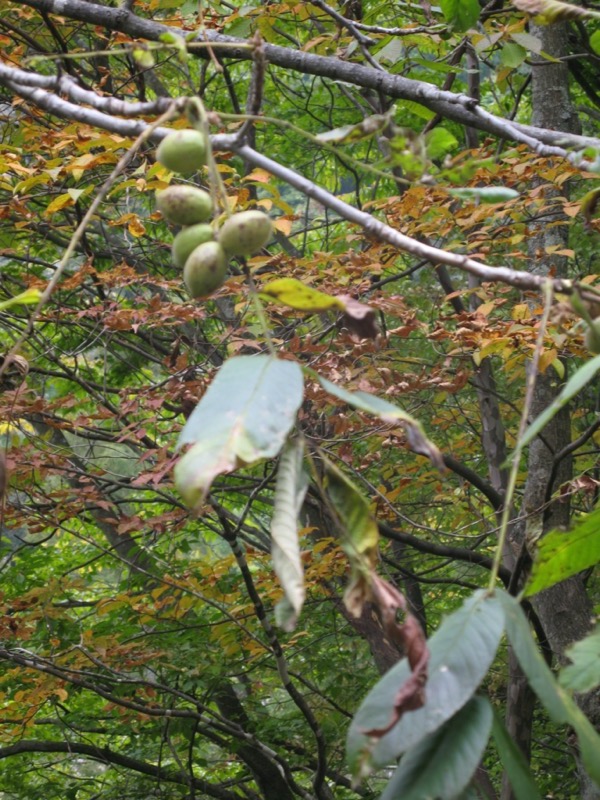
(583, 674)
(246, 415)
(290, 490)
(461, 14)
(358, 318)
(462, 650)
(514, 763)
(560, 554)
(388, 412)
(360, 533)
(548, 11)
(485, 194)
(589, 204)
(574, 385)
(443, 763)
(557, 702)
(410, 638)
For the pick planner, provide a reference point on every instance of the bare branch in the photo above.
(453, 106)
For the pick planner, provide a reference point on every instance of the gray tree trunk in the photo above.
(565, 610)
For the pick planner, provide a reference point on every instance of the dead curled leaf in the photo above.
(358, 318)
(411, 695)
(419, 443)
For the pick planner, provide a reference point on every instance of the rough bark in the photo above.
(564, 610)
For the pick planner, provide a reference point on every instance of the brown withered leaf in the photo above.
(411, 695)
(358, 318)
(357, 594)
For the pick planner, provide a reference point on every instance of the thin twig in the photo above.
(516, 458)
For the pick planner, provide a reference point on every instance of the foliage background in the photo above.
(139, 656)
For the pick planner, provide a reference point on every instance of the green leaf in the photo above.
(462, 650)
(595, 41)
(514, 763)
(485, 194)
(557, 702)
(295, 294)
(442, 764)
(28, 297)
(387, 412)
(583, 674)
(178, 42)
(560, 554)
(589, 204)
(512, 55)
(440, 142)
(461, 14)
(528, 41)
(143, 58)
(246, 415)
(360, 530)
(574, 385)
(290, 490)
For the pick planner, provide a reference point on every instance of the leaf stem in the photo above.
(196, 114)
(260, 311)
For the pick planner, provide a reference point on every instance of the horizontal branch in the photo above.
(108, 756)
(454, 106)
(487, 490)
(444, 550)
(381, 231)
(132, 128)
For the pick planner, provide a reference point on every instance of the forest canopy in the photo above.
(300, 336)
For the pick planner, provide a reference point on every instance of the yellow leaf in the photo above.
(547, 358)
(284, 225)
(559, 368)
(296, 295)
(521, 311)
(60, 202)
(486, 308)
(135, 227)
(260, 175)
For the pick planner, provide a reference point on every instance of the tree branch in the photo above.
(457, 107)
(108, 756)
(444, 550)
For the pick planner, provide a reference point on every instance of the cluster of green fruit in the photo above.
(202, 253)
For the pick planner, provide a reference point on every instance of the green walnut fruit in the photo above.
(245, 233)
(188, 240)
(592, 336)
(183, 151)
(205, 270)
(184, 205)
